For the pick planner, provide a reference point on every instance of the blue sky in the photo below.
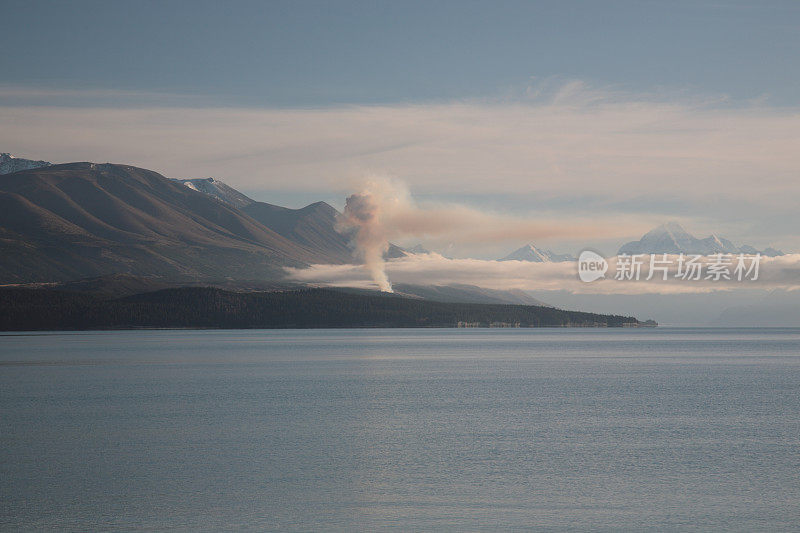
(629, 113)
(323, 53)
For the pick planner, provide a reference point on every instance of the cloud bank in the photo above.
(433, 269)
(575, 140)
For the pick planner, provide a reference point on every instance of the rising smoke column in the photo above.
(384, 209)
(365, 212)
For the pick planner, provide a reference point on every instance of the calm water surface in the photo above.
(669, 429)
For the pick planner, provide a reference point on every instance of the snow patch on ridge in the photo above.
(9, 164)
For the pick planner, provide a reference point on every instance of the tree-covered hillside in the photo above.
(43, 309)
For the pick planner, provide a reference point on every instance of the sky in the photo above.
(627, 113)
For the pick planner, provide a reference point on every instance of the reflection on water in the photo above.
(416, 429)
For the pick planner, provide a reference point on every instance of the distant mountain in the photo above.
(418, 249)
(65, 222)
(218, 190)
(313, 226)
(536, 255)
(671, 238)
(395, 252)
(9, 164)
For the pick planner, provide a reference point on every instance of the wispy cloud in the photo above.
(21, 95)
(563, 140)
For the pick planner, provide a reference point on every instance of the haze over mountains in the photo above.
(531, 253)
(313, 226)
(116, 229)
(671, 238)
(668, 238)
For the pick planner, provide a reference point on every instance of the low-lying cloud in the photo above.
(433, 269)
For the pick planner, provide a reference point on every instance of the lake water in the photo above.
(669, 429)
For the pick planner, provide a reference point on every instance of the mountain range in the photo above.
(64, 222)
(313, 226)
(531, 253)
(671, 238)
(117, 229)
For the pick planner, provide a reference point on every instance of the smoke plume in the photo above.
(384, 210)
(366, 213)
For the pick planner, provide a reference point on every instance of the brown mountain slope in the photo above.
(313, 226)
(84, 219)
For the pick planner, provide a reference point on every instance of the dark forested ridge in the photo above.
(192, 307)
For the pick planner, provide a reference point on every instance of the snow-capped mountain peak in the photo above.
(671, 238)
(9, 164)
(672, 228)
(531, 253)
(218, 190)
